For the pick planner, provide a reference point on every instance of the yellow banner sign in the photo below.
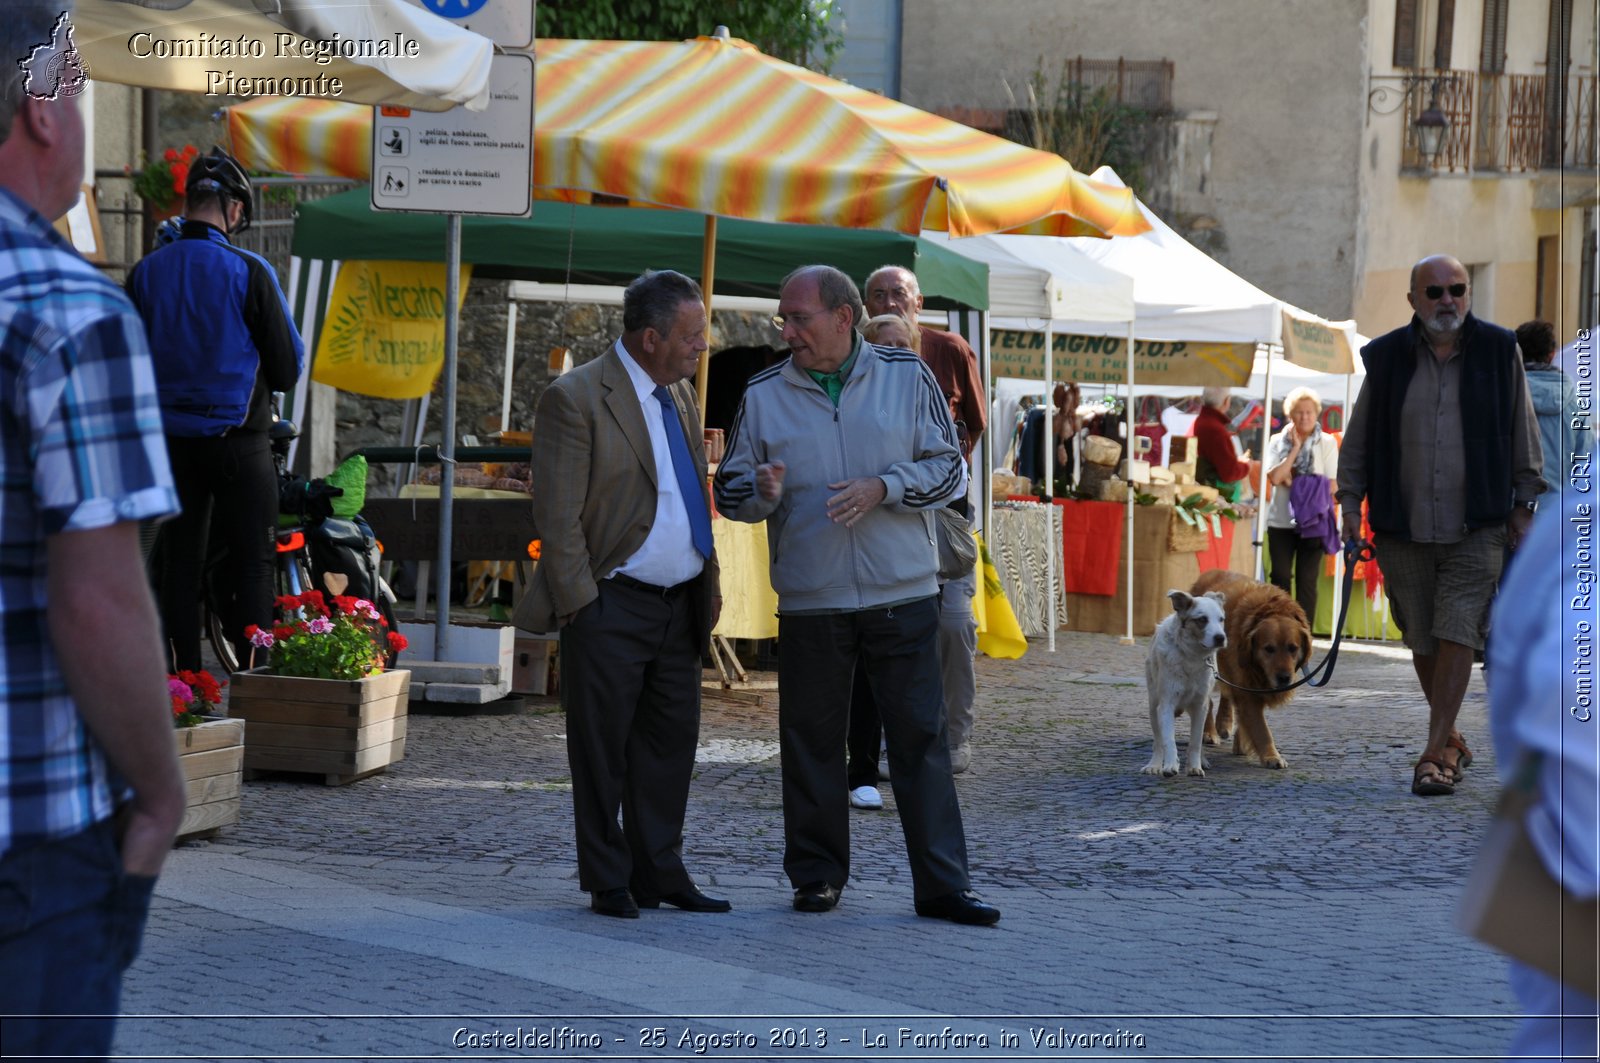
(383, 333)
(1101, 360)
(1316, 344)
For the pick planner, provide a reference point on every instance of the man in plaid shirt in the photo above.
(90, 790)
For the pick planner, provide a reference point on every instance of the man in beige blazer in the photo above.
(628, 577)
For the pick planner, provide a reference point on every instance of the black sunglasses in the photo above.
(1435, 291)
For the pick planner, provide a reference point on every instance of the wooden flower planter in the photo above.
(342, 730)
(211, 754)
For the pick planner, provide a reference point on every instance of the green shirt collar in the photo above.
(833, 383)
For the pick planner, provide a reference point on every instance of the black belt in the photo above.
(622, 580)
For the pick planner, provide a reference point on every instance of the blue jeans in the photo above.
(70, 924)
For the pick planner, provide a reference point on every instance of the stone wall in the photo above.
(584, 328)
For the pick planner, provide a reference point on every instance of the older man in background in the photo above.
(894, 290)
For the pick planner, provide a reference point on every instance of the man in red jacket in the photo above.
(894, 290)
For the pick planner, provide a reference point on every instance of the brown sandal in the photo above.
(1432, 777)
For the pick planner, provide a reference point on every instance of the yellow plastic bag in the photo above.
(999, 634)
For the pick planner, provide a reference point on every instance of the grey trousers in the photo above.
(958, 645)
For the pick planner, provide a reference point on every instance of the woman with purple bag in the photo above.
(1302, 524)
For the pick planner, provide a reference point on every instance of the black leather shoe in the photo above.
(816, 897)
(963, 907)
(690, 900)
(617, 903)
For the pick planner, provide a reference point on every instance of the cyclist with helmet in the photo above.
(222, 340)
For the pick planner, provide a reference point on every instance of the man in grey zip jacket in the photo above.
(846, 450)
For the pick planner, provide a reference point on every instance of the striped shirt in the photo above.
(80, 449)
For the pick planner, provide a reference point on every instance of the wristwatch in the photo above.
(1531, 505)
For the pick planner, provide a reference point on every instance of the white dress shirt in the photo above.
(668, 556)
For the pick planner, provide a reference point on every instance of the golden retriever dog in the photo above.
(1268, 642)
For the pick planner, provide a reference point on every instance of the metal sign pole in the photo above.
(447, 432)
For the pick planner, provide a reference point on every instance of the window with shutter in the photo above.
(1557, 56)
(1492, 52)
(1406, 16)
(1445, 35)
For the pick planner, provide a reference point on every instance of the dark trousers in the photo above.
(630, 685)
(70, 923)
(1288, 552)
(865, 735)
(818, 657)
(225, 484)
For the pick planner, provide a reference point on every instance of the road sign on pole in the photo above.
(460, 161)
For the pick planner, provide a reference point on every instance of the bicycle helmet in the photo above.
(169, 231)
(218, 170)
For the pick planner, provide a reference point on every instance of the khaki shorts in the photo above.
(1442, 590)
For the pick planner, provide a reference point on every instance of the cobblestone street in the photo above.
(1269, 914)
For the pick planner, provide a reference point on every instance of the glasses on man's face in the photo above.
(1436, 291)
(797, 320)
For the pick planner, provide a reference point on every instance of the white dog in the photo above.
(1178, 675)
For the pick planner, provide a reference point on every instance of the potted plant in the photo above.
(159, 181)
(323, 704)
(210, 751)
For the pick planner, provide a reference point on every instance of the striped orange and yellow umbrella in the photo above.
(713, 125)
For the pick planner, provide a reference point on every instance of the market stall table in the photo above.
(1092, 544)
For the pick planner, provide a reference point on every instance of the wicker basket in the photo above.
(1185, 538)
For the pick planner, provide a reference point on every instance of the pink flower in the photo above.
(261, 639)
(180, 690)
(319, 625)
(366, 609)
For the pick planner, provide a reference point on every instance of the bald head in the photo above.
(1432, 261)
(1441, 294)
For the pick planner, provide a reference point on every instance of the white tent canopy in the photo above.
(1042, 278)
(1181, 293)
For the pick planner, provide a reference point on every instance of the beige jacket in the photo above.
(594, 489)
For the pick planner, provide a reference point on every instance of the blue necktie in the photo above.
(689, 486)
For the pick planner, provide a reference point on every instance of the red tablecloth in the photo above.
(1218, 550)
(1091, 544)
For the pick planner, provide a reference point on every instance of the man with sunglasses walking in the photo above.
(1444, 447)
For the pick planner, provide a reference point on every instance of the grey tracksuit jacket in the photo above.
(892, 422)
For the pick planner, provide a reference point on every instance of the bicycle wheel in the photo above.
(221, 645)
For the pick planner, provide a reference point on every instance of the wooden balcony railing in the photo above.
(1505, 122)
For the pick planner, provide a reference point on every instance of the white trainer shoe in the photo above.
(960, 759)
(866, 797)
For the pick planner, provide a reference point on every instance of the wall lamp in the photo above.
(1390, 92)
